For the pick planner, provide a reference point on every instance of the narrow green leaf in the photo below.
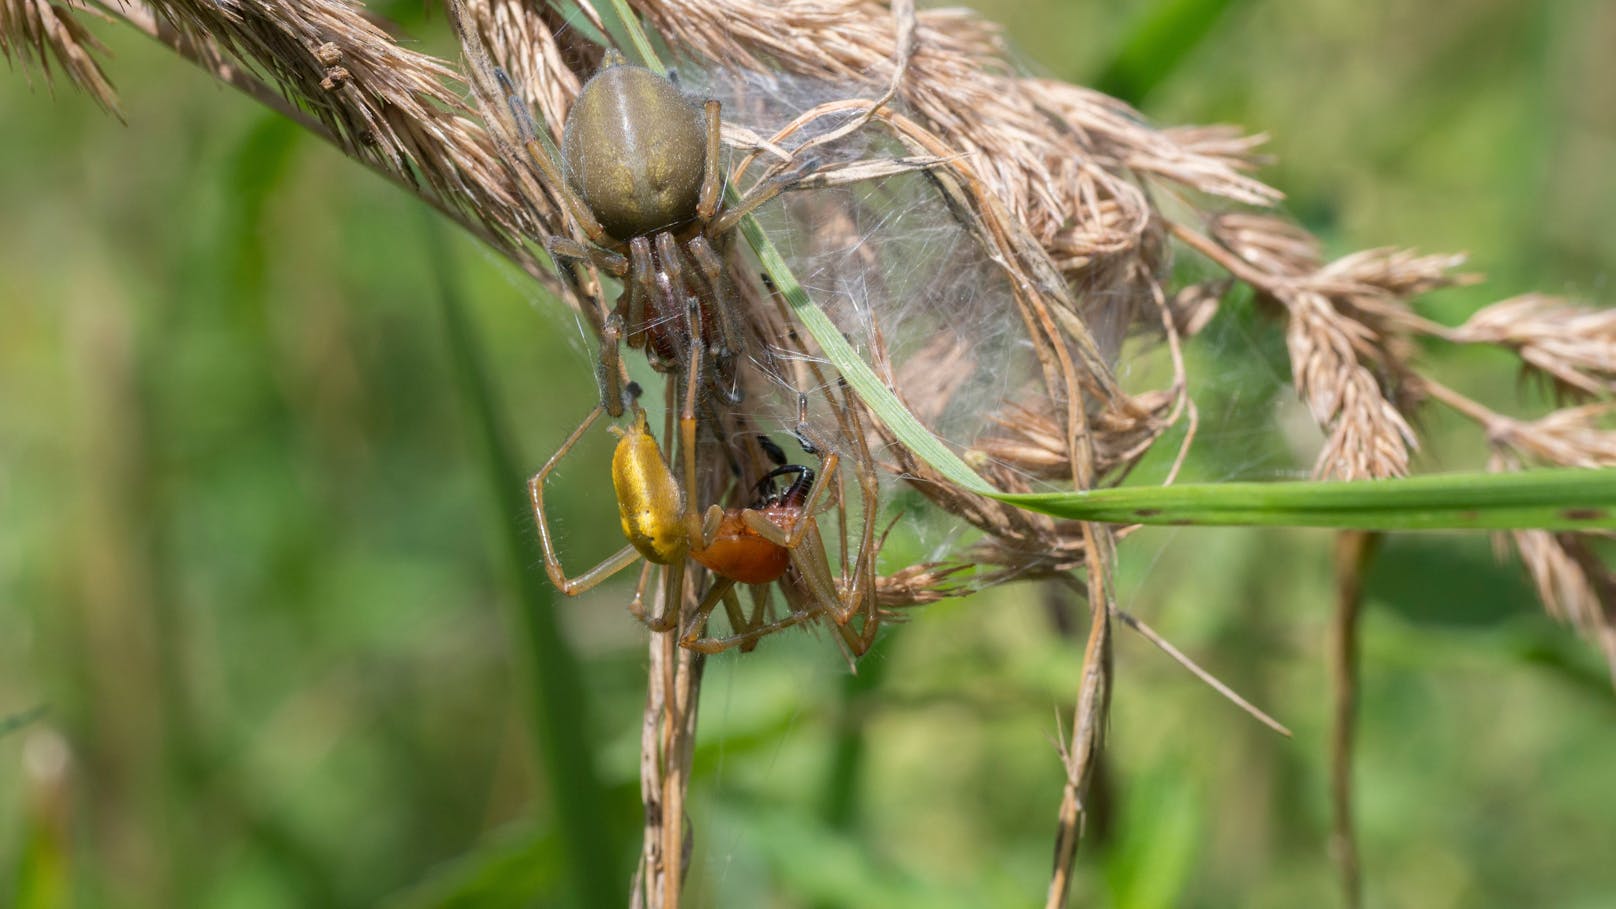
(871, 390)
(1561, 499)
(558, 699)
(624, 26)
(575, 18)
(18, 720)
(1157, 46)
(503, 873)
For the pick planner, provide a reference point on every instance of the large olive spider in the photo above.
(641, 176)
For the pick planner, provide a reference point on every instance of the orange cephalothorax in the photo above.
(739, 551)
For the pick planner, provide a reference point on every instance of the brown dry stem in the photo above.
(1056, 185)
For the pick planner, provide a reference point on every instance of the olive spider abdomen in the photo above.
(634, 149)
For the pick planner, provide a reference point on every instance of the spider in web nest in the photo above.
(641, 176)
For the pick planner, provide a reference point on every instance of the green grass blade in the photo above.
(1157, 46)
(18, 720)
(503, 873)
(623, 24)
(558, 699)
(1567, 499)
(871, 390)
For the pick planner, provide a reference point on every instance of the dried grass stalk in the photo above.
(1055, 183)
(1573, 345)
(38, 31)
(1367, 438)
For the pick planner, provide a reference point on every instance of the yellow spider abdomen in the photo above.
(648, 498)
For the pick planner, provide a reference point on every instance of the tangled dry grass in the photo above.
(1060, 187)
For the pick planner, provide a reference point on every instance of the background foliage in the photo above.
(251, 560)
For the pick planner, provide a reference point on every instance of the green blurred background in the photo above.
(259, 566)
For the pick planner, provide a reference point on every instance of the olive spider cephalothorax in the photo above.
(774, 539)
(641, 175)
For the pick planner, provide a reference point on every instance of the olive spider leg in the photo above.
(612, 564)
(699, 528)
(609, 375)
(566, 249)
(725, 307)
(723, 591)
(712, 182)
(841, 600)
(667, 279)
(860, 589)
(732, 606)
(638, 292)
(864, 573)
(744, 639)
(760, 602)
(757, 196)
(539, 158)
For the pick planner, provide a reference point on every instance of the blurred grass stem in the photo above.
(556, 696)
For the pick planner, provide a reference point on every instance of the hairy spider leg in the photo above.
(650, 507)
(712, 182)
(570, 204)
(699, 528)
(860, 589)
(759, 195)
(845, 599)
(861, 586)
(710, 269)
(611, 565)
(638, 297)
(554, 181)
(662, 275)
(857, 594)
(745, 639)
(636, 606)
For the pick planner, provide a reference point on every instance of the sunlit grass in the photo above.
(251, 561)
